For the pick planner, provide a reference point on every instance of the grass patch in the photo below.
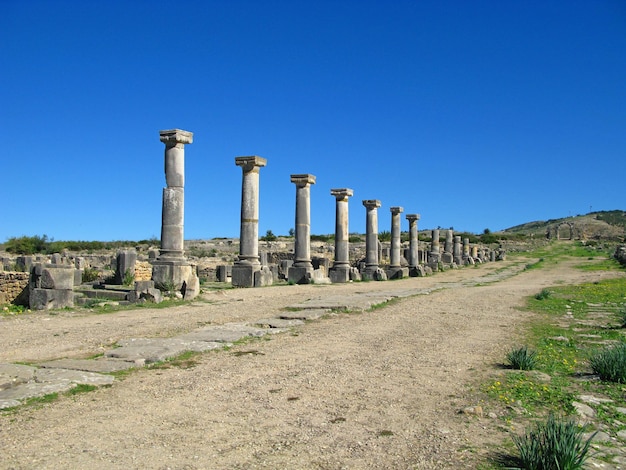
(81, 388)
(185, 360)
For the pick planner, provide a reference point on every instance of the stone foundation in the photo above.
(13, 285)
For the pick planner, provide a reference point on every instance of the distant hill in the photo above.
(602, 225)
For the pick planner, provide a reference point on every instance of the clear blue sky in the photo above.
(475, 114)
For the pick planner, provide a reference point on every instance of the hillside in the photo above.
(602, 225)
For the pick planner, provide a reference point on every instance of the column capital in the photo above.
(303, 179)
(396, 209)
(250, 162)
(371, 203)
(173, 137)
(341, 193)
(411, 217)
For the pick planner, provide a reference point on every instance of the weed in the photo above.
(610, 363)
(129, 278)
(90, 275)
(543, 295)
(522, 358)
(556, 444)
(81, 388)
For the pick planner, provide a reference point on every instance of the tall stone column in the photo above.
(372, 270)
(302, 269)
(413, 243)
(340, 272)
(395, 270)
(173, 215)
(456, 250)
(248, 264)
(447, 247)
(171, 269)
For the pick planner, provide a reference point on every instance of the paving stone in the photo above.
(15, 374)
(72, 376)
(224, 333)
(102, 365)
(279, 322)
(306, 314)
(8, 403)
(34, 389)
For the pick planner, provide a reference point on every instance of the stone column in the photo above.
(395, 270)
(466, 252)
(372, 270)
(456, 250)
(173, 215)
(413, 242)
(435, 255)
(340, 272)
(447, 247)
(248, 262)
(171, 269)
(302, 269)
(446, 256)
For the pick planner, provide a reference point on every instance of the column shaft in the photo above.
(342, 235)
(396, 241)
(371, 234)
(413, 240)
(249, 232)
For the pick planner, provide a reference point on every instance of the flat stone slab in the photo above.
(279, 322)
(15, 374)
(101, 365)
(306, 314)
(228, 333)
(35, 389)
(148, 350)
(73, 376)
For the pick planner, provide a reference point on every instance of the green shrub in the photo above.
(90, 275)
(544, 294)
(129, 278)
(522, 358)
(610, 363)
(555, 444)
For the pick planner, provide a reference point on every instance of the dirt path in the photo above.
(380, 389)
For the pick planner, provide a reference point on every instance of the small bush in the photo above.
(90, 275)
(522, 358)
(544, 294)
(610, 363)
(129, 278)
(556, 444)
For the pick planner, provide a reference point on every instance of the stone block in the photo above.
(45, 299)
(299, 275)
(355, 274)
(377, 274)
(180, 275)
(56, 258)
(223, 272)
(321, 262)
(447, 258)
(125, 262)
(319, 276)
(78, 277)
(263, 277)
(339, 275)
(397, 273)
(427, 270)
(417, 271)
(55, 278)
(243, 275)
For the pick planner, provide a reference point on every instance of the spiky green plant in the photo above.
(522, 358)
(556, 444)
(610, 363)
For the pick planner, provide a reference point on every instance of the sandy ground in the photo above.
(379, 389)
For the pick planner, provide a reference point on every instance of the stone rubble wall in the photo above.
(143, 271)
(12, 284)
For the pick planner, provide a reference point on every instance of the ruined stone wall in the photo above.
(143, 271)
(12, 284)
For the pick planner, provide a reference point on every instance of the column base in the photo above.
(417, 271)
(178, 275)
(397, 272)
(299, 275)
(374, 274)
(339, 274)
(251, 275)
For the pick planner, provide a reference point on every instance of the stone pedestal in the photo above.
(340, 271)
(176, 275)
(302, 269)
(51, 287)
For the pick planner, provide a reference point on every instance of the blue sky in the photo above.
(475, 114)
